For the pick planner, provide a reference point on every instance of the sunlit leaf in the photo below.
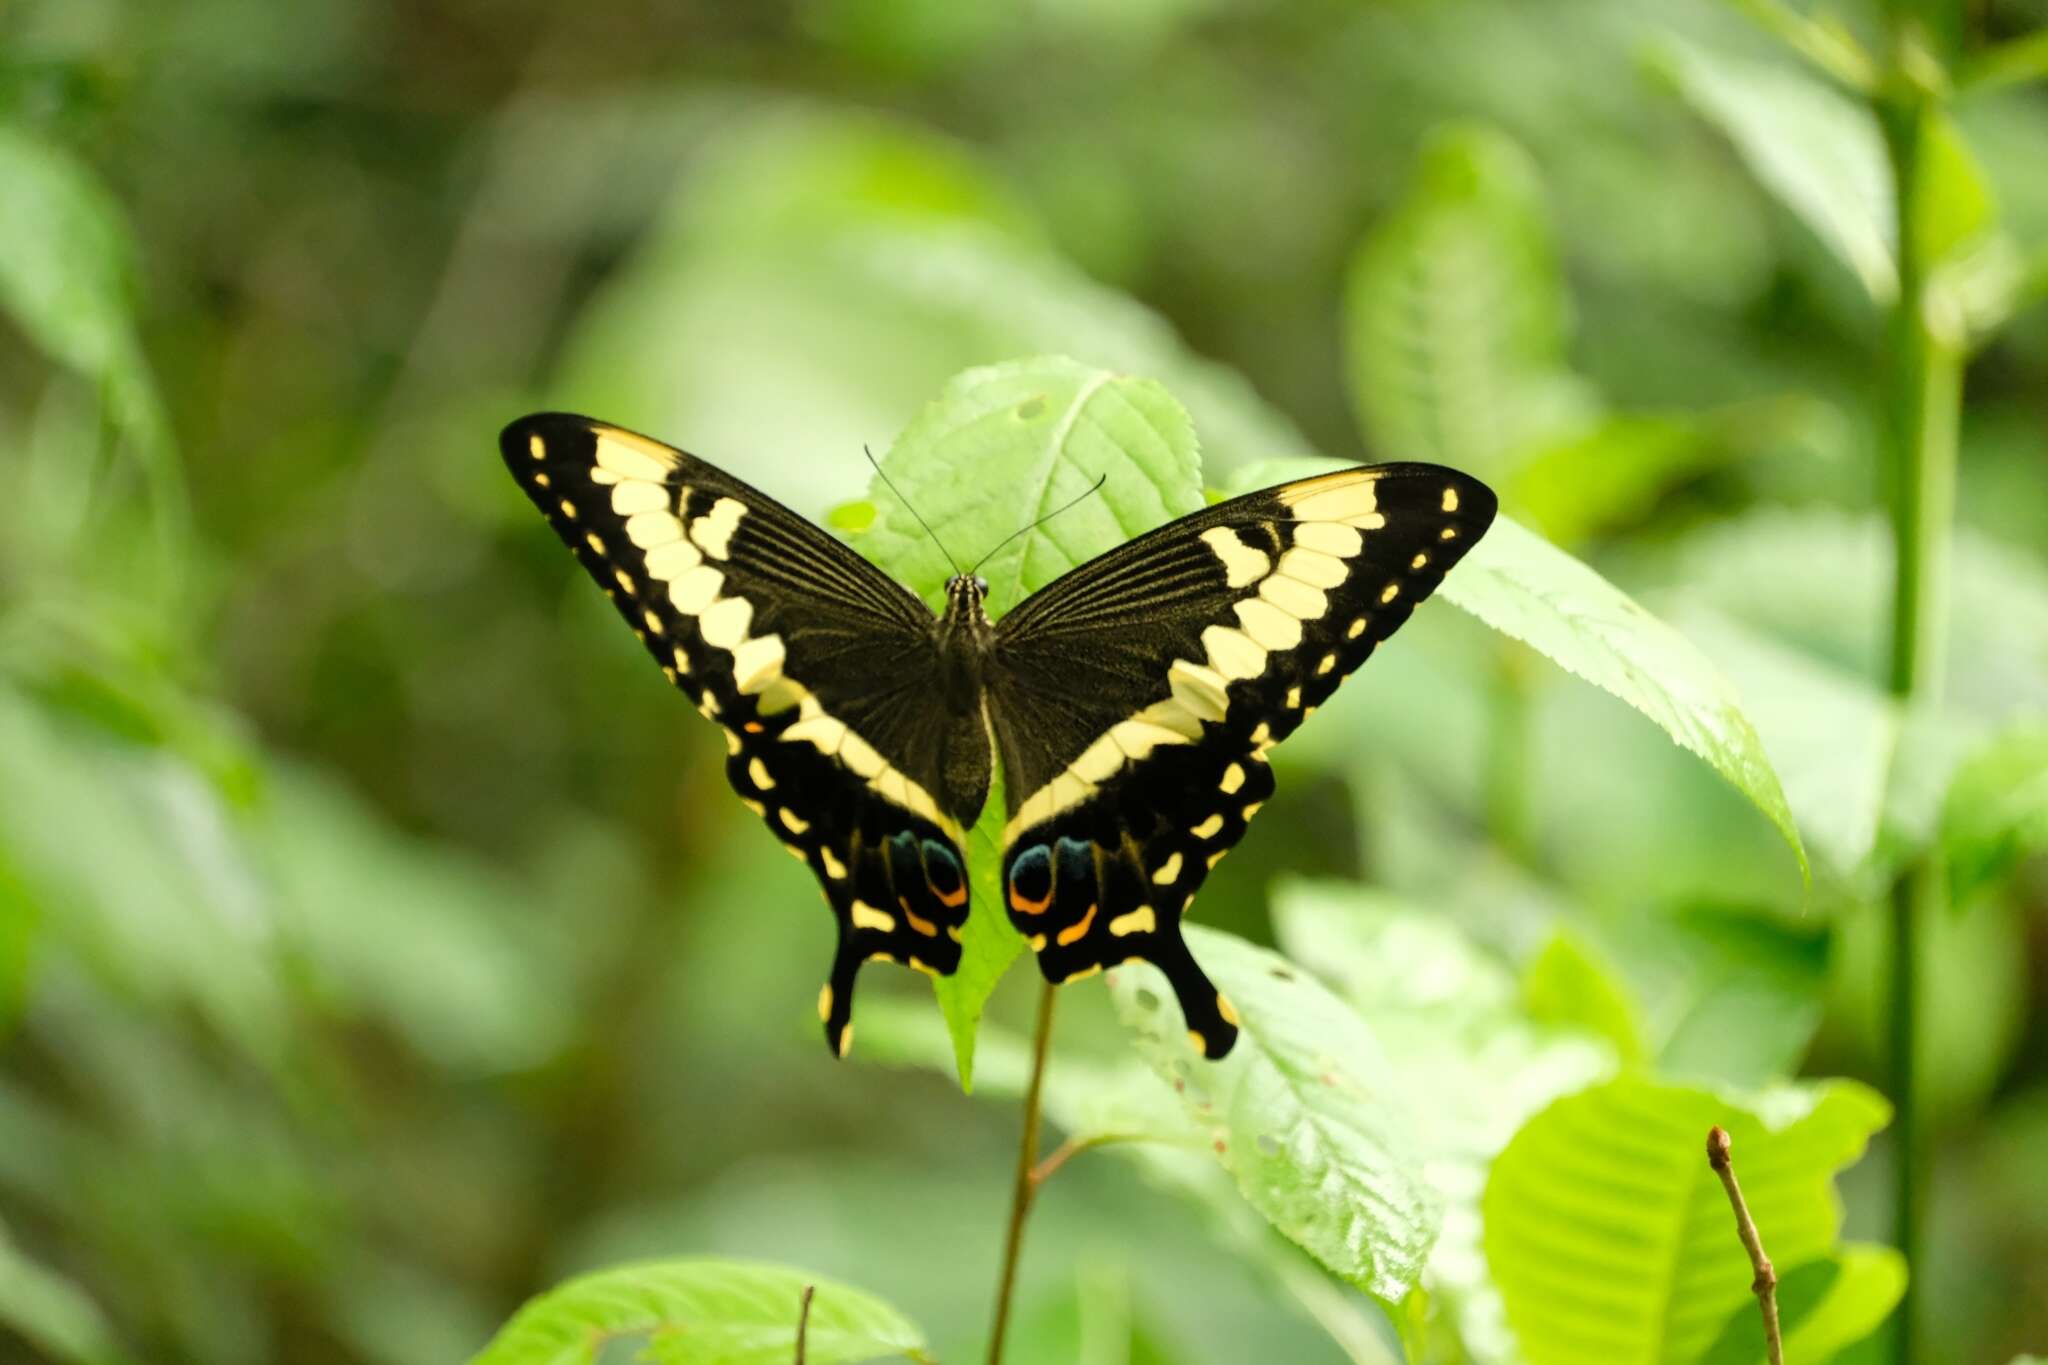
(1955, 202)
(1303, 1113)
(1000, 447)
(1823, 1306)
(1471, 1064)
(1611, 1238)
(1004, 446)
(1454, 312)
(1523, 586)
(1569, 986)
(1811, 146)
(701, 1312)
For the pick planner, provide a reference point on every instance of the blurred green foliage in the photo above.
(379, 946)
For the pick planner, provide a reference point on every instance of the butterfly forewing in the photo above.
(819, 668)
(1134, 700)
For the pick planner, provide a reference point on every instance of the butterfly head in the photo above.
(965, 595)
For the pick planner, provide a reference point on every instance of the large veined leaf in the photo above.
(1523, 586)
(1823, 1306)
(1610, 1237)
(701, 1312)
(1471, 1060)
(1454, 312)
(1305, 1112)
(1000, 447)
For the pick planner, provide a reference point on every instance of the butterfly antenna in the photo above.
(913, 511)
(1094, 488)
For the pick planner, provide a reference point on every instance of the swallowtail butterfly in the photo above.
(1130, 702)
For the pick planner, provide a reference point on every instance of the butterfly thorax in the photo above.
(966, 638)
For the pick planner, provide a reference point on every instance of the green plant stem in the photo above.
(1026, 1187)
(1924, 396)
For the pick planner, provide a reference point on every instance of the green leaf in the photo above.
(1824, 1306)
(66, 279)
(1473, 1065)
(1569, 986)
(1610, 1237)
(1996, 811)
(1835, 605)
(1819, 152)
(1000, 447)
(1955, 205)
(158, 893)
(988, 942)
(1525, 587)
(1615, 472)
(1727, 997)
(1303, 1112)
(50, 1312)
(1830, 734)
(1454, 312)
(701, 1312)
(1006, 444)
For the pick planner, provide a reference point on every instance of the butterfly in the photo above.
(1131, 702)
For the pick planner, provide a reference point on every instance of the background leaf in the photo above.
(1609, 1234)
(1302, 1113)
(1823, 1306)
(48, 1310)
(1454, 312)
(1527, 588)
(1806, 143)
(701, 1312)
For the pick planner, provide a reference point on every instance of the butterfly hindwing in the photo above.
(817, 666)
(1134, 699)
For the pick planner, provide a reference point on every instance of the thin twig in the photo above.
(1026, 1186)
(1765, 1285)
(803, 1320)
(1073, 1147)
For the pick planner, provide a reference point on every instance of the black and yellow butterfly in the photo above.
(1131, 702)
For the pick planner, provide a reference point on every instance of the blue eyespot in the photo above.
(941, 869)
(1031, 880)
